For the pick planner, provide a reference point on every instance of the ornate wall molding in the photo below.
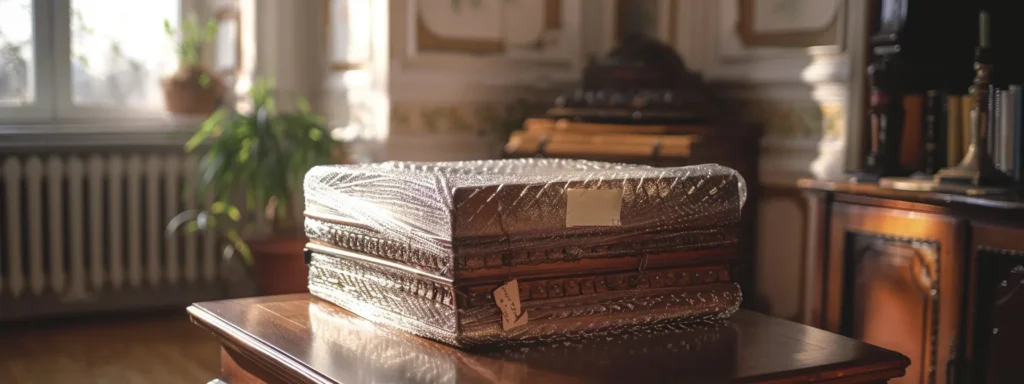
(790, 23)
(798, 92)
(492, 41)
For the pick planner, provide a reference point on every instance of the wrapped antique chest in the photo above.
(571, 247)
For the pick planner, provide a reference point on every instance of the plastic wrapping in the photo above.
(421, 246)
(430, 309)
(446, 216)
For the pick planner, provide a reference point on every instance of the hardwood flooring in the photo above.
(151, 348)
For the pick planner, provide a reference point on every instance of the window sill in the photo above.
(95, 135)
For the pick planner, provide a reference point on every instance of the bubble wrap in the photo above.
(421, 246)
(447, 216)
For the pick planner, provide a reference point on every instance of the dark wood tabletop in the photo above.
(298, 338)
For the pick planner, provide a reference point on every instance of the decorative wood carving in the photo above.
(882, 263)
(541, 289)
(979, 244)
(894, 282)
(996, 334)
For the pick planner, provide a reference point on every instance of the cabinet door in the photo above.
(996, 298)
(893, 281)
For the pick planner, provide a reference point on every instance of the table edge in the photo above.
(267, 356)
(280, 363)
(882, 368)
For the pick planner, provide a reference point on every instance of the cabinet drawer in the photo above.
(893, 281)
(995, 329)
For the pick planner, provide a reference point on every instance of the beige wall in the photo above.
(441, 84)
(805, 94)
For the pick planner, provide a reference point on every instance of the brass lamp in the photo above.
(977, 168)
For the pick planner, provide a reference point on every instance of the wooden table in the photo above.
(298, 338)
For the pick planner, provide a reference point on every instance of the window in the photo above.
(71, 60)
(17, 58)
(119, 50)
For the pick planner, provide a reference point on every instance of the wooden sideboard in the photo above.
(934, 276)
(301, 339)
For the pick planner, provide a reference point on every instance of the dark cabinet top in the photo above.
(1002, 201)
(302, 339)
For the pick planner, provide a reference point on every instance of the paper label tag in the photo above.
(593, 207)
(507, 298)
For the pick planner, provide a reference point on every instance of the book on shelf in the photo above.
(954, 137)
(966, 104)
(994, 120)
(1017, 130)
(911, 146)
(1004, 139)
(934, 132)
(1006, 131)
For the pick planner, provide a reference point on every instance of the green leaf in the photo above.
(211, 29)
(246, 151)
(214, 162)
(204, 80)
(191, 227)
(261, 156)
(219, 207)
(239, 244)
(167, 28)
(234, 213)
(270, 104)
(303, 105)
(206, 129)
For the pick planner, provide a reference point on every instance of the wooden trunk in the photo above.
(422, 247)
(658, 145)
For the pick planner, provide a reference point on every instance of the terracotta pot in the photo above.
(279, 266)
(183, 93)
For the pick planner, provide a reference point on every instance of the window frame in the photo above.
(41, 106)
(53, 103)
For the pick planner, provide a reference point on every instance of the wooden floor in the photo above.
(153, 348)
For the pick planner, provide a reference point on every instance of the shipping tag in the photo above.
(593, 207)
(507, 299)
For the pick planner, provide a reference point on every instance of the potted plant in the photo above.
(192, 89)
(259, 158)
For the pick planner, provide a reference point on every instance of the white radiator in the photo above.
(81, 227)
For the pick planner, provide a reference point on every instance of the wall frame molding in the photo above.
(478, 61)
(828, 34)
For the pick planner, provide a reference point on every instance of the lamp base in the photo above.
(908, 183)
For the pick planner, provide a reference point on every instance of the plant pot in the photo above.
(184, 94)
(279, 266)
